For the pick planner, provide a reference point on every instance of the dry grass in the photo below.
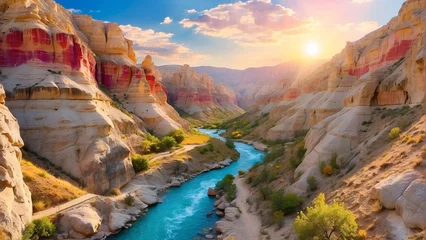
(219, 153)
(46, 189)
(193, 139)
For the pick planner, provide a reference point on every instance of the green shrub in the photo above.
(231, 192)
(167, 143)
(129, 200)
(139, 163)
(210, 147)
(312, 182)
(178, 135)
(273, 155)
(333, 161)
(288, 203)
(394, 133)
(265, 193)
(43, 228)
(29, 231)
(241, 172)
(227, 181)
(278, 217)
(324, 222)
(227, 185)
(230, 144)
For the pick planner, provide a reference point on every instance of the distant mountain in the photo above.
(257, 85)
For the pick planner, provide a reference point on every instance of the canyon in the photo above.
(73, 94)
(199, 95)
(74, 85)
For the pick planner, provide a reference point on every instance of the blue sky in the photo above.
(239, 34)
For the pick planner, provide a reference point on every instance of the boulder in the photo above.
(412, 205)
(211, 192)
(117, 220)
(390, 189)
(147, 194)
(232, 213)
(84, 220)
(175, 182)
(220, 213)
(221, 206)
(209, 236)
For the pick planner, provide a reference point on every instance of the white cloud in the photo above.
(95, 11)
(75, 11)
(250, 23)
(167, 20)
(159, 45)
(191, 11)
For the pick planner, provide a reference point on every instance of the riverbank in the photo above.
(257, 145)
(107, 216)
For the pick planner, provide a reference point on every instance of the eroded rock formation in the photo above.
(198, 95)
(53, 64)
(15, 197)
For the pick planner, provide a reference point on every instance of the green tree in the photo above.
(230, 144)
(325, 222)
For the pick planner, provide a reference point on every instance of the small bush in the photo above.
(43, 227)
(210, 147)
(288, 203)
(227, 185)
(394, 133)
(178, 135)
(362, 234)
(29, 231)
(129, 200)
(231, 192)
(167, 143)
(115, 192)
(265, 193)
(39, 206)
(139, 163)
(312, 182)
(278, 217)
(241, 172)
(323, 222)
(230, 144)
(333, 161)
(328, 170)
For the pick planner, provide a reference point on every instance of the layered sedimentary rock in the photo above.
(52, 63)
(198, 95)
(15, 197)
(385, 68)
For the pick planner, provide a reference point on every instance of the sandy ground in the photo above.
(248, 225)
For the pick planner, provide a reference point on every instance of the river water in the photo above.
(182, 215)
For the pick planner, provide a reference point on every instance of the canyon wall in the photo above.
(383, 69)
(198, 95)
(15, 197)
(53, 66)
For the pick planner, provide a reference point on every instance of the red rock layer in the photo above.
(30, 45)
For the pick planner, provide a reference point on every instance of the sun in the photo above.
(312, 49)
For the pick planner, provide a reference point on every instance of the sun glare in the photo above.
(312, 49)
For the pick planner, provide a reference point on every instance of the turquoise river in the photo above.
(182, 215)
